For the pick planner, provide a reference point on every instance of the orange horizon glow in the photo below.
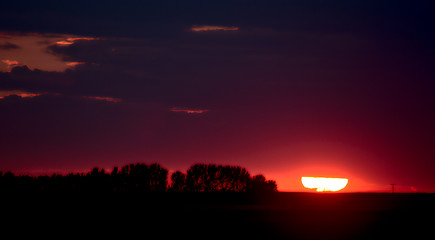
(322, 184)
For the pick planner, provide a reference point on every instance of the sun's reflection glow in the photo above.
(322, 184)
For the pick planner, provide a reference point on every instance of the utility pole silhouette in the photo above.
(392, 187)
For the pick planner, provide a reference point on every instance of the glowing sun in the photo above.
(324, 184)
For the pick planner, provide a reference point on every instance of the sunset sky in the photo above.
(283, 88)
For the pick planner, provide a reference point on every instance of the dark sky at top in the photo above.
(283, 88)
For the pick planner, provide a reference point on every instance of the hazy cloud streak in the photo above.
(20, 93)
(190, 111)
(212, 28)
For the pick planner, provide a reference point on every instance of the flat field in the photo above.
(223, 216)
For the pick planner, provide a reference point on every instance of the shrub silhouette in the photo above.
(258, 183)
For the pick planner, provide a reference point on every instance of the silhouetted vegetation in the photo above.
(142, 178)
(214, 178)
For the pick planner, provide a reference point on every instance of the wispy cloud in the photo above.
(204, 28)
(71, 40)
(187, 110)
(4, 35)
(73, 64)
(26, 94)
(107, 99)
(10, 63)
(20, 93)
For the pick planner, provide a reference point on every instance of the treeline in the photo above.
(143, 178)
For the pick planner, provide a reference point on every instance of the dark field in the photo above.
(222, 216)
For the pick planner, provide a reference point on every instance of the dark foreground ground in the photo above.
(221, 216)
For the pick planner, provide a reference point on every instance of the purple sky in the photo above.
(286, 89)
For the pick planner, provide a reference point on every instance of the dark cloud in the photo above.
(8, 45)
(22, 78)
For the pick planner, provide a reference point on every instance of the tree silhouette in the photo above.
(140, 178)
(217, 178)
(178, 182)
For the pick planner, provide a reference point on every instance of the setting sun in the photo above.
(322, 184)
